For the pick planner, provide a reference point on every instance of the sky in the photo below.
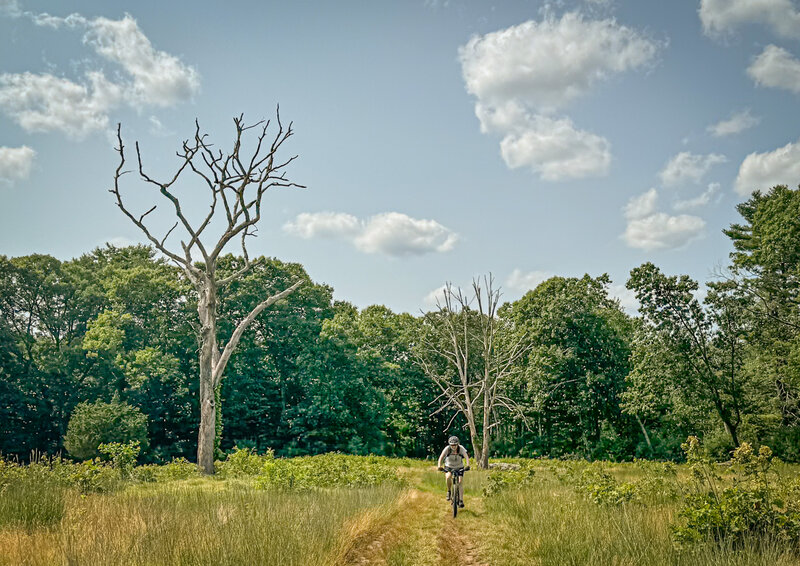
(438, 140)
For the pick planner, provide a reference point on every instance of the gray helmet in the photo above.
(453, 440)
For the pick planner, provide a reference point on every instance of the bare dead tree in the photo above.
(480, 353)
(237, 184)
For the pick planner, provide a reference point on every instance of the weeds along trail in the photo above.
(417, 530)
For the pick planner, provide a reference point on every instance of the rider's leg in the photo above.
(449, 481)
(461, 490)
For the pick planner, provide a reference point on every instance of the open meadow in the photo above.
(335, 510)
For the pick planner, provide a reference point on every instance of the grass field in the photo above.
(378, 512)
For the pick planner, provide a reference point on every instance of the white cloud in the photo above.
(650, 230)
(309, 225)
(159, 79)
(687, 166)
(396, 234)
(549, 63)
(641, 206)
(660, 231)
(697, 202)
(522, 74)
(738, 122)
(16, 163)
(762, 171)
(521, 281)
(435, 297)
(776, 68)
(390, 233)
(158, 129)
(722, 16)
(45, 103)
(555, 149)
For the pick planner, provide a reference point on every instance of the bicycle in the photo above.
(455, 492)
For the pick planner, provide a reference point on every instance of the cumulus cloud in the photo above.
(642, 205)
(650, 230)
(549, 63)
(396, 234)
(44, 102)
(699, 201)
(722, 16)
(391, 233)
(762, 171)
(555, 149)
(158, 78)
(521, 75)
(309, 225)
(776, 68)
(16, 163)
(519, 280)
(687, 166)
(738, 122)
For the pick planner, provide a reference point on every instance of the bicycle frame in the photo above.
(455, 494)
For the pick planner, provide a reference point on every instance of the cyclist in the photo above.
(454, 457)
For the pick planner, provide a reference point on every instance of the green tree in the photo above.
(93, 424)
(575, 371)
(709, 341)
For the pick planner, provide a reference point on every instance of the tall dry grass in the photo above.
(193, 523)
(548, 524)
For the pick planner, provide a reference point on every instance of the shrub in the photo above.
(93, 424)
(93, 476)
(753, 504)
(243, 462)
(327, 470)
(122, 456)
(502, 480)
(178, 469)
(599, 486)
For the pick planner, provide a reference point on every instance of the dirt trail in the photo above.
(418, 531)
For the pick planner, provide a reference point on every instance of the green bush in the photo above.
(600, 487)
(243, 462)
(93, 424)
(327, 470)
(122, 456)
(178, 469)
(501, 480)
(753, 503)
(93, 476)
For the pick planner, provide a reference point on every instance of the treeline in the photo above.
(111, 335)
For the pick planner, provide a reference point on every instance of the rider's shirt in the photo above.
(453, 458)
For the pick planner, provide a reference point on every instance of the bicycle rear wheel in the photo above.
(456, 499)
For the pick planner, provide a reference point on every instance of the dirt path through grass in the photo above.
(418, 530)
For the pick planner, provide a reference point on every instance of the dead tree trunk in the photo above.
(237, 184)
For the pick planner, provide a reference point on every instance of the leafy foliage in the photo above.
(94, 424)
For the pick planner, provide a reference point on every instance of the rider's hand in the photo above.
(467, 468)
(441, 469)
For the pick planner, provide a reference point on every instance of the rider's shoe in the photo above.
(461, 504)
(448, 496)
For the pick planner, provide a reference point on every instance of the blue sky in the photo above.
(438, 139)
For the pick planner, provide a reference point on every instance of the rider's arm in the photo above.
(466, 457)
(442, 457)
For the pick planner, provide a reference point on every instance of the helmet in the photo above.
(453, 440)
